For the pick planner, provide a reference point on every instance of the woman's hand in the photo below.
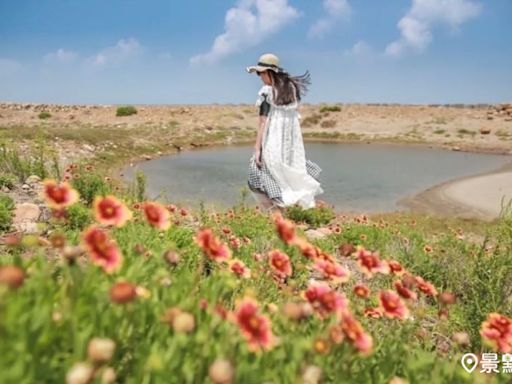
(257, 157)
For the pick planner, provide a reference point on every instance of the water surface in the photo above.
(355, 177)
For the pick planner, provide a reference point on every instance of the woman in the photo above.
(279, 173)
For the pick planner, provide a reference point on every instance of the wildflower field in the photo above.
(119, 289)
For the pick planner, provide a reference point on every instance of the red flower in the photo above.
(496, 331)
(425, 287)
(325, 300)
(375, 313)
(102, 250)
(356, 333)
(59, 196)
(239, 268)
(392, 306)
(333, 271)
(285, 228)
(370, 262)
(212, 246)
(123, 292)
(157, 215)
(396, 267)
(362, 291)
(256, 328)
(403, 291)
(280, 263)
(308, 249)
(110, 211)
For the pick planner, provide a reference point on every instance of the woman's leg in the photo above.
(262, 199)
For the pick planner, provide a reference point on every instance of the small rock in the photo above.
(26, 212)
(25, 187)
(455, 148)
(147, 157)
(485, 131)
(28, 227)
(313, 234)
(6, 189)
(33, 179)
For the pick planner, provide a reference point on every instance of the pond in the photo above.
(355, 177)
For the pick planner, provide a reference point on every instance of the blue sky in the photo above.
(196, 51)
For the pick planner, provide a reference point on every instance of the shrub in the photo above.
(11, 162)
(6, 212)
(126, 111)
(330, 108)
(7, 181)
(328, 124)
(44, 115)
(89, 184)
(312, 120)
(78, 217)
(313, 216)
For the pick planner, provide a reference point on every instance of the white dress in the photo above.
(286, 175)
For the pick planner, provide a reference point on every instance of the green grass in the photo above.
(44, 115)
(64, 302)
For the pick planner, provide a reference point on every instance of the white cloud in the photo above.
(9, 67)
(124, 49)
(360, 49)
(60, 56)
(416, 26)
(246, 25)
(336, 10)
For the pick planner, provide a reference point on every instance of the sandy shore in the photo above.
(481, 196)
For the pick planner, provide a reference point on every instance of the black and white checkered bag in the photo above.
(261, 180)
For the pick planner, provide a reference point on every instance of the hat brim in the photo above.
(259, 68)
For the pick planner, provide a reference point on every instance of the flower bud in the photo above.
(80, 373)
(100, 350)
(11, 276)
(183, 322)
(221, 372)
(123, 292)
(172, 257)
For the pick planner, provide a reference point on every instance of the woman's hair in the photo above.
(284, 87)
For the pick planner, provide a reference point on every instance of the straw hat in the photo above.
(268, 61)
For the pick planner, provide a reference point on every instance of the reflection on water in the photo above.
(355, 177)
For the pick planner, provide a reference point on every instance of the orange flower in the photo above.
(157, 215)
(392, 306)
(280, 263)
(403, 291)
(325, 300)
(123, 292)
(212, 246)
(59, 196)
(256, 328)
(370, 262)
(395, 267)
(333, 271)
(285, 229)
(425, 287)
(11, 276)
(355, 333)
(239, 268)
(496, 332)
(307, 249)
(375, 313)
(362, 291)
(102, 250)
(110, 211)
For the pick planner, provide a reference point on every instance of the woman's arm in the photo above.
(257, 147)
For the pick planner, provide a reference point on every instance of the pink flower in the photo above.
(212, 246)
(239, 268)
(256, 328)
(354, 332)
(370, 262)
(496, 331)
(280, 263)
(157, 215)
(110, 211)
(325, 300)
(333, 271)
(102, 250)
(392, 306)
(59, 195)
